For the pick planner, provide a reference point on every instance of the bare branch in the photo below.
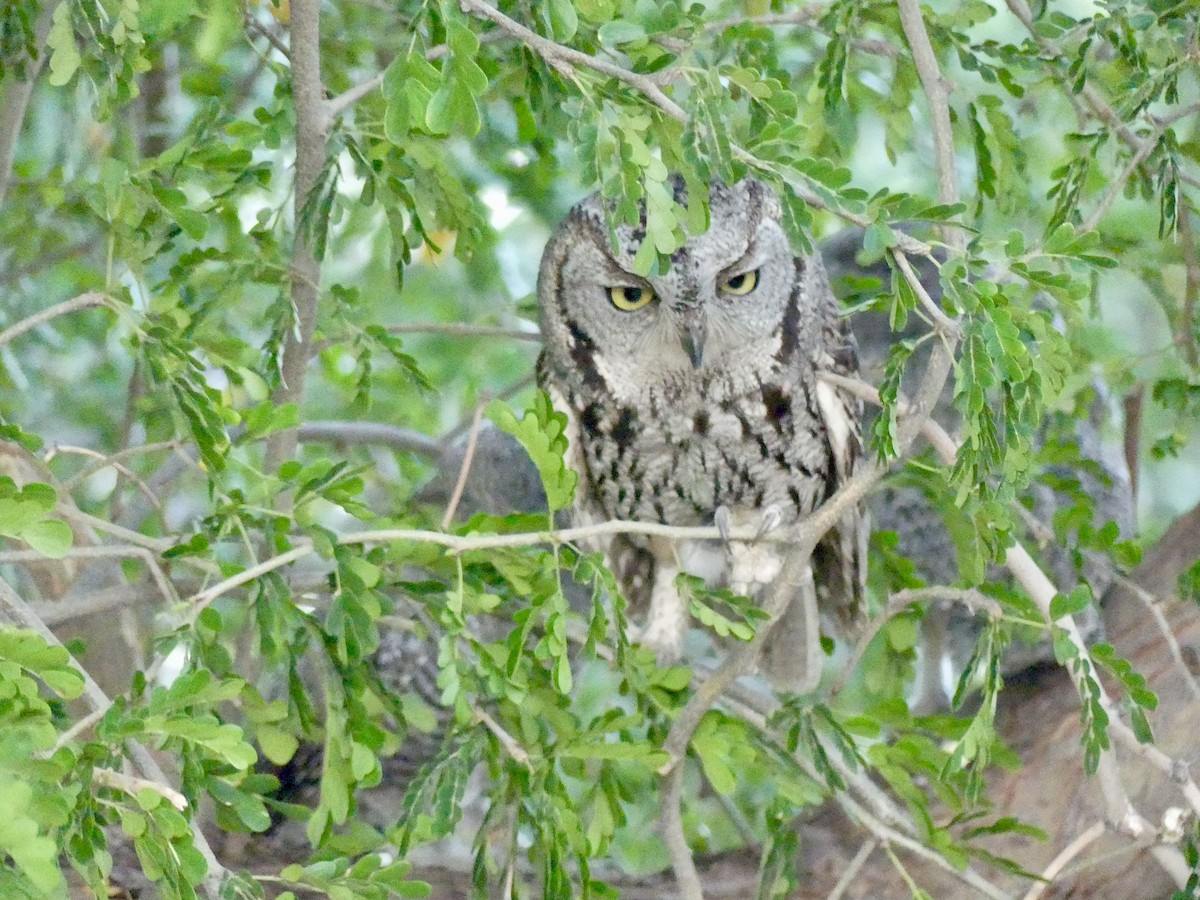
(207, 596)
(83, 301)
(1154, 607)
(104, 461)
(561, 58)
(346, 433)
(14, 98)
(312, 125)
(937, 92)
(1068, 853)
(852, 868)
(940, 319)
(131, 784)
(507, 741)
(890, 836)
(466, 330)
(671, 824)
(110, 551)
(458, 329)
(465, 469)
(1185, 333)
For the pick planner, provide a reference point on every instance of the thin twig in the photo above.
(807, 17)
(105, 551)
(888, 836)
(90, 300)
(940, 319)
(456, 329)
(337, 105)
(507, 741)
(504, 394)
(1095, 102)
(559, 57)
(1068, 853)
(1186, 336)
(1154, 606)
(671, 824)
(464, 470)
(1116, 186)
(108, 461)
(80, 726)
(937, 93)
(262, 30)
(563, 59)
(852, 869)
(131, 784)
(103, 461)
(345, 433)
(207, 596)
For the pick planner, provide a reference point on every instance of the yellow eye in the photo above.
(741, 285)
(629, 299)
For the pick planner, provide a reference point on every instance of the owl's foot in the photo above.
(772, 518)
(723, 519)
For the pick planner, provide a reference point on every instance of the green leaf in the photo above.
(620, 31)
(542, 432)
(64, 54)
(48, 537)
(1068, 604)
(564, 21)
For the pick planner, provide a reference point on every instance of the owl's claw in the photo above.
(772, 517)
(723, 519)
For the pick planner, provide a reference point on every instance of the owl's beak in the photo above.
(692, 335)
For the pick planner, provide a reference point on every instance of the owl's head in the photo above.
(727, 292)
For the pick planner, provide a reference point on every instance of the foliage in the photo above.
(156, 166)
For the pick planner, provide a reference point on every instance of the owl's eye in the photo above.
(629, 299)
(740, 285)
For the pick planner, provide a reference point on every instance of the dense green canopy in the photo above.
(264, 266)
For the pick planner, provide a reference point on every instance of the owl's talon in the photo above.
(723, 519)
(772, 517)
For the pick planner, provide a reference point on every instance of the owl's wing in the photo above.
(631, 565)
(840, 560)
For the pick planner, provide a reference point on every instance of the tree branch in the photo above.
(344, 433)
(937, 93)
(312, 125)
(84, 301)
(14, 97)
(1100, 108)
(671, 824)
(1068, 853)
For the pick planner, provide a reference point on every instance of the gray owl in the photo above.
(693, 399)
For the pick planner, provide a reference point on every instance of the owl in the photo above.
(692, 398)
